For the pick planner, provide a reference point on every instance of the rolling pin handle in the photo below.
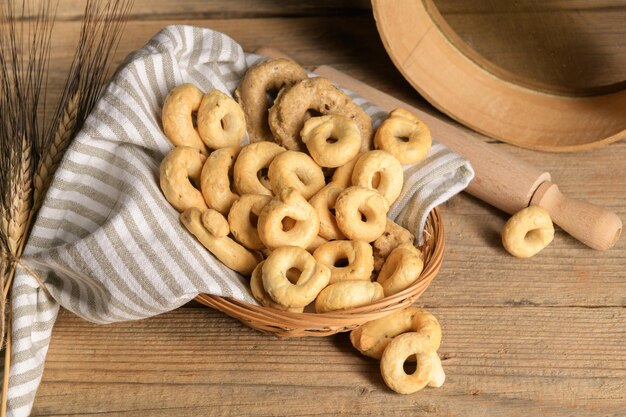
(595, 226)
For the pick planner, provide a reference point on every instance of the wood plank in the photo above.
(310, 40)
(217, 9)
(520, 361)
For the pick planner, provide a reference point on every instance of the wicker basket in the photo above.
(289, 324)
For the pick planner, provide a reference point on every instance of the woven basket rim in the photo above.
(287, 323)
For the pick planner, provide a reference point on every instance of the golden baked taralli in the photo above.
(380, 171)
(528, 232)
(348, 260)
(215, 179)
(211, 229)
(288, 114)
(429, 371)
(404, 136)
(401, 269)
(372, 338)
(261, 79)
(347, 294)
(298, 171)
(313, 278)
(243, 219)
(361, 213)
(250, 171)
(331, 140)
(323, 202)
(178, 169)
(288, 204)
(177, 117)
(253, 199)
(221, 122)
(259, 293)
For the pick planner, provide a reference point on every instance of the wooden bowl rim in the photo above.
(449, 80)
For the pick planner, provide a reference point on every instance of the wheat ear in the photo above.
(15, 222)
(21, 202)
(27, 199)
(52, 156)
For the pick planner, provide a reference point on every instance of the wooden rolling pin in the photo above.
(501, 180)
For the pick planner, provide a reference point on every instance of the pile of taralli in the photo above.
(302, 209)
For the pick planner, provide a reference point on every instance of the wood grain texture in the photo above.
(220, 9)
(543, 336)
(310, 40)
(518, 362)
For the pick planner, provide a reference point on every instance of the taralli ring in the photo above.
(429, 371)
(313, 277)
(372, 338)
(361, 213)
(380, 171)
(404, 136)
(221, 122)
(288, 114)
(178, 170)
(215, 180)
(324, 203)
(177, 117)
(331, 140)
(347, 294)
(211, 229)
(274, 228)
(528, 232)
(348, 260)
(298, 171)
(259, 293)
(243, 219)
(250, 171)
(401, 269)
(261, 79)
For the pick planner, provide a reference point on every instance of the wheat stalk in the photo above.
(15, 224)
(30, 152)
(52, 157)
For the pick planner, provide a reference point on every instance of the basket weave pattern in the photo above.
(288, 324)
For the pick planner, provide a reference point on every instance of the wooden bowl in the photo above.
(283, 323)
(511, 81)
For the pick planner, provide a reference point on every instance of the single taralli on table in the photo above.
(408, 334)
(302, 209)
(529, 231)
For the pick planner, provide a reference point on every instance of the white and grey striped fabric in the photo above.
(108, 245)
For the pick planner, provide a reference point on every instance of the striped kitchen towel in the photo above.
(107, 244)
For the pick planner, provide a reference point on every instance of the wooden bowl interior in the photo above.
(575, 47)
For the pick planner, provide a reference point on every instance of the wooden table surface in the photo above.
(544, 336)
